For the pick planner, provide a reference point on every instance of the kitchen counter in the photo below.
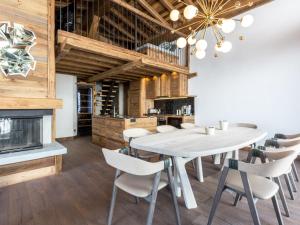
(107, 132)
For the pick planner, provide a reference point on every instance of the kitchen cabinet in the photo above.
(164, 85)
(178, 85)
(167, 85)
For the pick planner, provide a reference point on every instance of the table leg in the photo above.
(217, 159)
(199, 169)
(177, 181)
(236, 154)
(188, 194)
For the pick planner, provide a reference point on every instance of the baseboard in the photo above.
(65, 139)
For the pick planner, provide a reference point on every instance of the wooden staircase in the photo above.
(109, 95)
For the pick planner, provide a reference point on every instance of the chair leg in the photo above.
(237, 199)
(173, 194)
(153, 199)
(113, 200)
(218, 195)
(199, 170)
(282, 197)
(292, 182)
(277, 211)
(295, 172)
(288, 183)
(250, 199)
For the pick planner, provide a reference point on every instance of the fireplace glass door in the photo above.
(18, 134)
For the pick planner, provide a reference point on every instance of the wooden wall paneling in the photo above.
(51, 49)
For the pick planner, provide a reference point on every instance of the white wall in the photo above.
(259, 80)
(66, 118)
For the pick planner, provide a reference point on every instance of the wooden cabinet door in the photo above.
(153, 87)
(164, 85)
(178, 85)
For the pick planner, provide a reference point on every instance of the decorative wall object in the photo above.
(15, 45)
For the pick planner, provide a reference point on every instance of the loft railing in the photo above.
(109, 22)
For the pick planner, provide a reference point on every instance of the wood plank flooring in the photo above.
(80, 195)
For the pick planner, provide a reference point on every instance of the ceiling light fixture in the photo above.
(210, 15)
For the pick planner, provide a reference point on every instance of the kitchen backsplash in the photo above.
(169, 106)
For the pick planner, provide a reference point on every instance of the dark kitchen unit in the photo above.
(170, 106)
(174, 111)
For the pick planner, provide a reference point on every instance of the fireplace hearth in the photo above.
(21, 130)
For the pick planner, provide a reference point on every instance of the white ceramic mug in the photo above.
(224, 125)
(210, 130)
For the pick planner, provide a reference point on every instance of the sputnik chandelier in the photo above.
(209, 15)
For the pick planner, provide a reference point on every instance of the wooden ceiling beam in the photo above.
(144, 15)
(94, 57)
(153, 12)
(81, 65)
(115, 71)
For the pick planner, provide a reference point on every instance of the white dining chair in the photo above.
(250, 180)
(234, 154)
(287, 145)
(264, 154)
(283, 137)
(187, 125)
(141, 179)
(248, 125)
(132, 133)
(165, 128)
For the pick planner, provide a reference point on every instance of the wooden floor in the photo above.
(80, 195)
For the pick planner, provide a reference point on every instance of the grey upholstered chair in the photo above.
(250, 180)
(264, 155)
(287, 145)
(141, 179)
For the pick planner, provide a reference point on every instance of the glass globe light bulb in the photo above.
(218, 47)
(191, 40)
(247, 21)
(174, 15)
(200, 54)
(181, 42)
(190, 12)
(228, 26)
(226, 46)
(201, 44)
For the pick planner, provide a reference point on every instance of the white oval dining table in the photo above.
(183, 145)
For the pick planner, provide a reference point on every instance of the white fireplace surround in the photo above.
(47, 129)
(49, 149)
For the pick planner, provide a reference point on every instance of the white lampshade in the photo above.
(191, 40)
(181, 42)
(174, 15)
(226, 46)
(200, 54)
(190, 12)
(218, 47)
(247, 21)
(201, 44)
(228, 26)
